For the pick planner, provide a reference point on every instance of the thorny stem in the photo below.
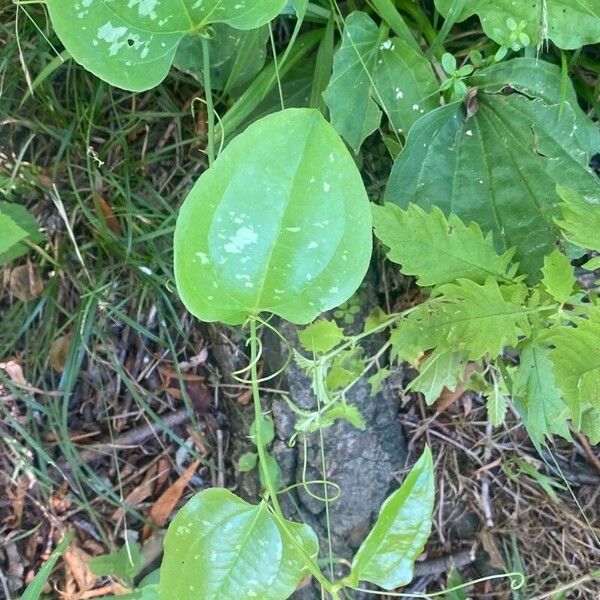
(331, 588)
(210, 109)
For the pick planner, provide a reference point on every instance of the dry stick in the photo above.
(438, 566)
(485, 480)
(589, 451)
(133, 437)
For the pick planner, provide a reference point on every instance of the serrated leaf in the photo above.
(537, 398)
(569, 24)
(376, 317)
(443, 369)
(466, 316)
(219, 547)
(576, 361)
(320, 336)
(236, 56)
(369, 71)
(580, 218)
(132, 45)
(377, 379)
(387, 555)
(498, 167)
(280, 223)
(558, 277)
(435, 249)
(345, 368)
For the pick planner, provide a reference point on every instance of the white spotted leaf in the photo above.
(280, 223)
(132, 44)
(220, 547)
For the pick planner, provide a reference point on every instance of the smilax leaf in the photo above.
(220, 547)
(132, 44)
(387, 555)
(280, 223)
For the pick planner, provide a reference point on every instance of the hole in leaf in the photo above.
(130, 42)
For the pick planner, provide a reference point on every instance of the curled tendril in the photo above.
(517, 580)
(239, 374)
(324, 482)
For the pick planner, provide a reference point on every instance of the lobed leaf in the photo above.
(537, 397)
(280, 223)
(386, 557)
(132, 44)
(558, 277)
(321, 336)
(576, 363)
(438, 250)
(580, 218)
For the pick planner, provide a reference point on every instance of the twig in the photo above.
(443, 564)
(485, 481)
(588, 451)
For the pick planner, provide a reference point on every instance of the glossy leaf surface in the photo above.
(386, 557)
(568, 23)
(498, 167)
(219, 547)
(280, 223)
(370, 72)
(132, 44)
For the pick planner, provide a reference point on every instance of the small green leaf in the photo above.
(497, 405)
(25, 222)
(593, 264)
(376, 380)
(219, 547)
(386, 557)
(590, 425)
(345, 369)
(376, 317)
(132, 44)
(448, 63)
(267, 431)
(275, 474)
(558, 276)
(11, 233)
(321, 336)
(247, 462)
(435, 249)
(576, 361)
(125, 563)
(443, 369)
(537, 398)
(280, 223)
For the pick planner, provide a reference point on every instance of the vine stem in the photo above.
(210, 108)
(331, 588)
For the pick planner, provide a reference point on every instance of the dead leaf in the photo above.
(15, 372)
(138, 494)
(76, 564)
(195, 387)
(163, 507)
(489, 544)
(108, 215)
(26, 282)
(59, 351)
(447, 398)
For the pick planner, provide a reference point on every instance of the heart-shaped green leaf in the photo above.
(387, 555)
(219, 547)
(280, 223)
(132, 44)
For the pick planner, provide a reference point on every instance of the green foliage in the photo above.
(370, 70)
(321, 336)
(558, 278)
(125, 563)
(438, 250)
(293, 238)
(568, 23)
(236, 56)
(498, 165)
(443, 369)
(132, 45)
(387, 555)
(219, 547)
(580, 218)
(16, 225)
